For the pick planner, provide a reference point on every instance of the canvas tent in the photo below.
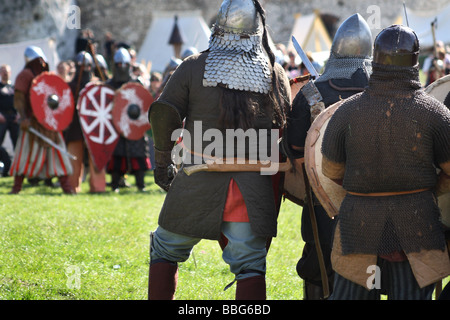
(12, 54)
(311, 34)
(420, 22)
(156, 48)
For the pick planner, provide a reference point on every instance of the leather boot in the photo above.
(18, 181)
(312, 292)
(252, 288)
(115, 180)
(139, 176)
(162, 282)
(66, 186)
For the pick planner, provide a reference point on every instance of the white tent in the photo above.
(420, 22)
(12, 54)
(311, 34)
(158, 51)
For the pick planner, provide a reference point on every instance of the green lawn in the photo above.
(95, 247)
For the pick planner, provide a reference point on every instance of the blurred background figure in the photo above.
(103, 73)
(46, 162)
(8, 114)
(9, 119)
(63, 70)
(130, 156)
(73, 135)
(155, 83)
(437, 64)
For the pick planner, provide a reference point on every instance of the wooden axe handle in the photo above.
(235, 167)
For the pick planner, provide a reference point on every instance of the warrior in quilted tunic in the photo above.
(235, 84)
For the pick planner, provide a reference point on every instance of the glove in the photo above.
(25, 124)
(164, 170)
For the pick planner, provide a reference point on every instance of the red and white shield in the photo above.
(52, 101)
(94, 109)
(131, 104)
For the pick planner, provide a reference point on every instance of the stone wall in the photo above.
(129, 20)
(22, 20)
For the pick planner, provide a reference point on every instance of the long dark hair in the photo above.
(240, 108)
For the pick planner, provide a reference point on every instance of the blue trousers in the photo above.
(245, 252)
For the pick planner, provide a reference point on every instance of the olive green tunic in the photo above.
(194, 204)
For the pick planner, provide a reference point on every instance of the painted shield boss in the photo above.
(129, 114)
(52, 101)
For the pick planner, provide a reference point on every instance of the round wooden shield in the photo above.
(329, 193)
(440, 89)
(52, 101)
(94, 109)
(131, 104)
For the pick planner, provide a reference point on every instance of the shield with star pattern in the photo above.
(95, 104)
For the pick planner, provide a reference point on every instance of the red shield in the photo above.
(131, 104)
(94, 109)
(52, 101)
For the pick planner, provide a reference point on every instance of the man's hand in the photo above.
(163, 174)
(25, 124)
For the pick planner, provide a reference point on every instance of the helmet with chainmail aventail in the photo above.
(351, 50)
(236, 58)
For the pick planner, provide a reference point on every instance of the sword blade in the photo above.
(51, 143)
(304, 58)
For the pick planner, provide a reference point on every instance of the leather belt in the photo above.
(387, 194)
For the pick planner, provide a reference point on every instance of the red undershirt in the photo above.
(235, 209)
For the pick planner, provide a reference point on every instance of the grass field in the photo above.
(96, 247)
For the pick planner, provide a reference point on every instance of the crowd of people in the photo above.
(389, 217)
(389, 220)
(292, 63)
(96, 67)
(434, 66)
